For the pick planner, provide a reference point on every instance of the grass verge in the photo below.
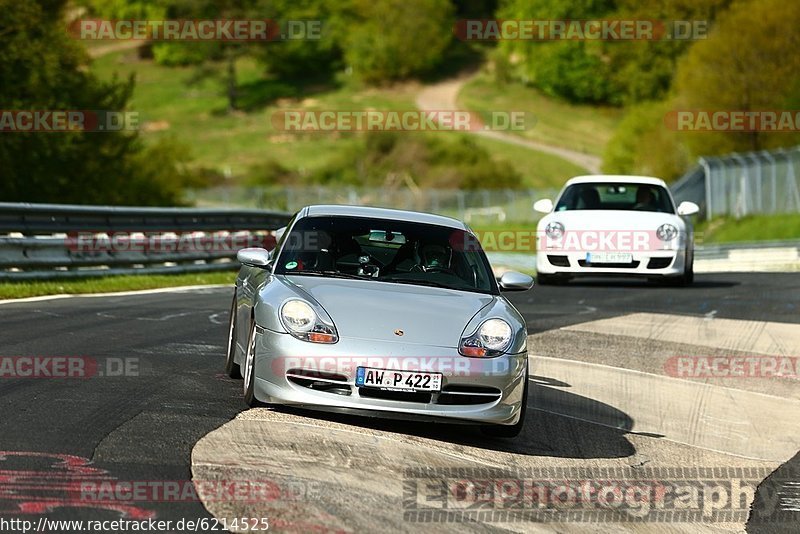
(752, 228)
(171, 104)
(109, 284)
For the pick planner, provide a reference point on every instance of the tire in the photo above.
(683, 280)
(249, 368)
(232, 368)
(510, 431)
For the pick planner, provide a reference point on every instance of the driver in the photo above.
(435, 256)
(645, 199)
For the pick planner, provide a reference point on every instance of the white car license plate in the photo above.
(398, 380)
(609, 257)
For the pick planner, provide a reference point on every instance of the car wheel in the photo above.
(249, 368)
(232, 368)
(684, 279)
(510, 431)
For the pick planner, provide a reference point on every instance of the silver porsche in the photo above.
(380, 312)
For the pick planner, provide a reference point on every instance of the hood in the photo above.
(611, 220)
(374, 310)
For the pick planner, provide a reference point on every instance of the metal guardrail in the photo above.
(40, 241)
(747, 183)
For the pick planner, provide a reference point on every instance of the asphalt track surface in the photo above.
(144, 427)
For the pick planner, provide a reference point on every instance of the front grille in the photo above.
(457, 394)
(631, 265)
(659, 263)
(558, 261)
(333, 383)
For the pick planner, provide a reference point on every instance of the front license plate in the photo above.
(609, 257)
(398, 380)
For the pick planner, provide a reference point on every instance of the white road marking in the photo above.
(176, 289)
(107, 315)
(774, 339)
(214, 318)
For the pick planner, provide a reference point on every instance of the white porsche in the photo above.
(615, 225)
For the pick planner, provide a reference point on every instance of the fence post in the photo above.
(707, 171)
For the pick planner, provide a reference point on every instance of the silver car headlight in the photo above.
(666, 232)
(492, 338)
(554, 230)
(300, 320)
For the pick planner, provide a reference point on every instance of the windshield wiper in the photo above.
(331, 274)
(429, 283)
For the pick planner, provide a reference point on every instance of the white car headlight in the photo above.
(298, 316)
(666, 232)
(491, 339)
(300, 319)
(554, 230)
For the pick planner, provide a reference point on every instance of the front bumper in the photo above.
(473, 389)
(647, 263)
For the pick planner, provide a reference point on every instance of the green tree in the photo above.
(749, 62)
(313, 58)
(393, 39)
(575, 70)
(642, 145)
(41, 68)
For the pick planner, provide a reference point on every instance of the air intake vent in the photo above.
(320, 381)
(659, 263)
(456, 394)
(558, 261)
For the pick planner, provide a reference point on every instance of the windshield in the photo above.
(615, 196)
(386, 251)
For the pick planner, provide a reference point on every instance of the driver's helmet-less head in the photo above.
(435, 255)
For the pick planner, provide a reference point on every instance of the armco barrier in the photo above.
(65, 241)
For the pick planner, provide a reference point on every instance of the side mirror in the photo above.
(254, 257)
(514, 281)
(688, 208)
(279, 233)
(544, 205)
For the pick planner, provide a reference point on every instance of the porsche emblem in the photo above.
(399, 332)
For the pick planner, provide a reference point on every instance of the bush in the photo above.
(643, 145)
(386, 158)
(394, 39)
